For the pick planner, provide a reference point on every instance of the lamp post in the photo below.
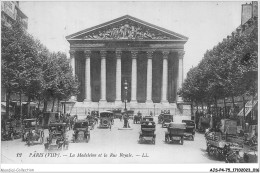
(126, 89)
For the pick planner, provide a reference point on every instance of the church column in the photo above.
(134, 77)
(165, 77)
(87, 76)
(118, 77)
(180, 74)
(149, 77)
(103, 76)
(72, 61)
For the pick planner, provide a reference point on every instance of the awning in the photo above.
(248, 108)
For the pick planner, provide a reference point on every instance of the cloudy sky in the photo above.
(205, 23)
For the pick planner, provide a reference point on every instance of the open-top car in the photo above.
(147, 132)
(106, 118)
(160, 117)
(32, 132)
(57, 139)
(147, 119)
(190, 129)
(175, 132)
(167, 119)
(81, 131)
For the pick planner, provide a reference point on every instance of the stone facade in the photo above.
(148, 57)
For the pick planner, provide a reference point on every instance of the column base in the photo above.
(149, 102)
(102, 101)
(87, 101)
(133, 102)
(165, 102)
(118, 102)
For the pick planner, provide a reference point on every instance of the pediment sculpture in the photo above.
(126, 31)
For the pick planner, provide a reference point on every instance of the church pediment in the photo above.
(126, 28)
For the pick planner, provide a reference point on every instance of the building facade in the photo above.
(11, 12)
(127, 50)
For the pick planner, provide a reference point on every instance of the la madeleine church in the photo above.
(127, 58)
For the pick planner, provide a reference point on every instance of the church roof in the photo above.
(126, 28)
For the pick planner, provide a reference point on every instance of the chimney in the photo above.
(246, 14)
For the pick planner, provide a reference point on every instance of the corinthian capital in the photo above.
(72, 53)
(118, 54)
(150, 54)
(134, 54)
(103, 53)
(181, 54)
(165, 54)
(87, 53)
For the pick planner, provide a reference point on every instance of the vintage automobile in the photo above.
(147, 132)
(117, 113)
(32, 132)
(190, 129)
(95, 114)
(81, 131)
(106, 118)
(222, 149)
(57, 139)
(167, 119)
(11, 130)
(137, 118)
(147, 118)
(175, 132)
(160, 117)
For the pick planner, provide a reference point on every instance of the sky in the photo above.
(205, 23)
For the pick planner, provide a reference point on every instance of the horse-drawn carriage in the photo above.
(32, 132)
(137, 118)
(57, 139)
(81, 131)
(190, 129)
(147, 132)
(175, 132)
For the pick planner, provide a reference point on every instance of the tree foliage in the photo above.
(228, 70)
(29, 68)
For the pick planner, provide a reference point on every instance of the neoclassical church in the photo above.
(127, 59)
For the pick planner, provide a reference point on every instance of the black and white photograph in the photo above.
(157, 86)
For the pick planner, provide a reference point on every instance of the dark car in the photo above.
(147, 132)
(175, 132)
(190, 129)
(57, 139)
(167, 119)
(32, 132)
(106, 118)
(147, 119)
(81, 131)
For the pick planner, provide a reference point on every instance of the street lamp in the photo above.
(126, 89)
